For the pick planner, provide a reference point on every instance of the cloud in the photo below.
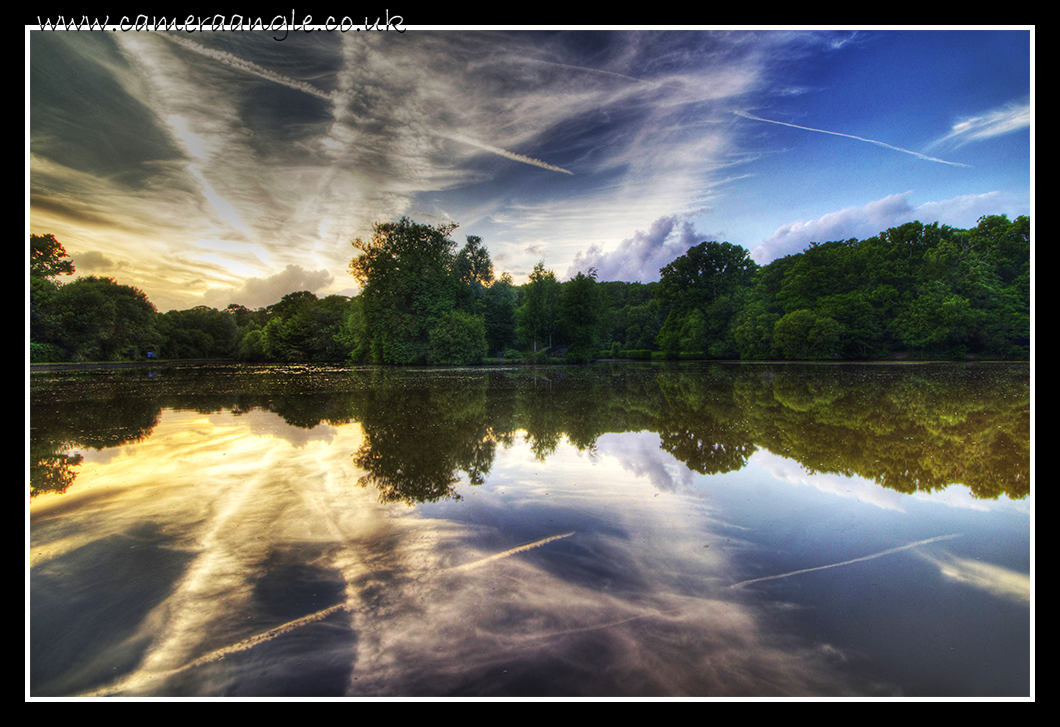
(994, 579)
(871, 219)
(242, 64)
(261, 292)
(639, 258)
(1005, 120)
(639, 453)
(925, 157)
(93, 261)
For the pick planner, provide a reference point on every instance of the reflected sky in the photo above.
(231, 553)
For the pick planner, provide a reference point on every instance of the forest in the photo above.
(911, 292)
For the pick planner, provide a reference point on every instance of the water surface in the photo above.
(691, 530)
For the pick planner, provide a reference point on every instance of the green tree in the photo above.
(499, 315)
(713, 278)
(537, 315)
(47, 259)
(802, 334)
(199, 332)
(99, 320)
(642, 324)
(582, 315)
(474, 269)
(408, 282)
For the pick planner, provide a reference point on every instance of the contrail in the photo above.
(505, 153)
(850, 136)
(847, 562)
(509, 552)
(134, 680)
(252, 68)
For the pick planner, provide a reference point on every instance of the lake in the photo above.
(685, 530)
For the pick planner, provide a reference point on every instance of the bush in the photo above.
(45, 353)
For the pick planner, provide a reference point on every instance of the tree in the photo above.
(582, 315)
(199, 332)
(46, 257)
(406, 272)
(46, 260)
(99, 320)
(803, 335)
(714, 279)
(474, 268)
(499, 316)
(536, 316)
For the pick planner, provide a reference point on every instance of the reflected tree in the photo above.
(907, 428)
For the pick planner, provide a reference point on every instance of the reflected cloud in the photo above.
(639, 454)
(993, 579)
(790, 471)
(263, 423)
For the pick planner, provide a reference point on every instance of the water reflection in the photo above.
(282, 531)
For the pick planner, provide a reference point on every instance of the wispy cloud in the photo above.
(1005, 120)
(917, 154)
(549, 145)
(995, 579)
(246, 66)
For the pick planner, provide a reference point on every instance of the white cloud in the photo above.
(1004, 120)
(639, 258)
(872, 218)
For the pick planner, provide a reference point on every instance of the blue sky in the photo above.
(218, 167)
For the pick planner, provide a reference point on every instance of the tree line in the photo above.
(918, 291)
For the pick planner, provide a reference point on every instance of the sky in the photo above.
(218, 167)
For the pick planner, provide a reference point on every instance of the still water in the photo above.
(688, 530)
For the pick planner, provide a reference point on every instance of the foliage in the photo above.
(915, 290)
(97, 319)
(305, 328)
(47, 257)
(198, 332)
(582, 314)
(802, 334)
(458, 339)
(537, 315)
(408, 282)
(499, 314)
(702, 291)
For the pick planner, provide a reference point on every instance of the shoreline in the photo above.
(489, 363)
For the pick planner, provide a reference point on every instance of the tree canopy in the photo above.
(412, 281)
